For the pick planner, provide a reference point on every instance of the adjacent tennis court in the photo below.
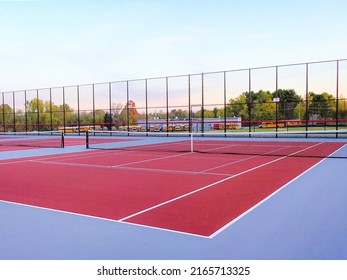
(138, 188)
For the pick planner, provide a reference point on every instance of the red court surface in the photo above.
(191, 193)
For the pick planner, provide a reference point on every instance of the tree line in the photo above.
(252, 105)
(260, 105)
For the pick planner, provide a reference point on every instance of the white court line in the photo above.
(213, 184)
(45, 159)
(158, 228)
(101, 218)
(151, 159)
(81, 155)
(78, 154)
(128, 167)
(268, 197)
(172, 171)
(112, 166)
(144, 169)
(241, 160)
(14, 162)
(70, 164)
(258, 204)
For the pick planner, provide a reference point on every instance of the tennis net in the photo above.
(35, 139)
(322, 144)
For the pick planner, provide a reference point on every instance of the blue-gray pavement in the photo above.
(305, 220)
(39, 152)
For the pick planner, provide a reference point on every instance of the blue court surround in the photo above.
(304, 220)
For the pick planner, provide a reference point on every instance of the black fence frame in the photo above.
(15, 117)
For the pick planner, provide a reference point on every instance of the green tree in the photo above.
(258, 103)
(342, 108)
(6, 117)
(262, 105)
(322, 104)
(238, 106)
(289, 99)
(57, 115)
(99, 116)
(299, 111)
(35, 109)
(86, 118)
(116, 112)
(41, 114)
(178, 114)
(35, 105)
(108, 120)
(129, 111)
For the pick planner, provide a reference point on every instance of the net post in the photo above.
(63, 140)
(191, 143)
(87, 139)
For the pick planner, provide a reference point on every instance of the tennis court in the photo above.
(134, 197)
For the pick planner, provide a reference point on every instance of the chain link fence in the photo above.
(283, 97)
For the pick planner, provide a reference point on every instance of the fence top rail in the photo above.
(181, 75)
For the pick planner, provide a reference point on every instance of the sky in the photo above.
(58, 43)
